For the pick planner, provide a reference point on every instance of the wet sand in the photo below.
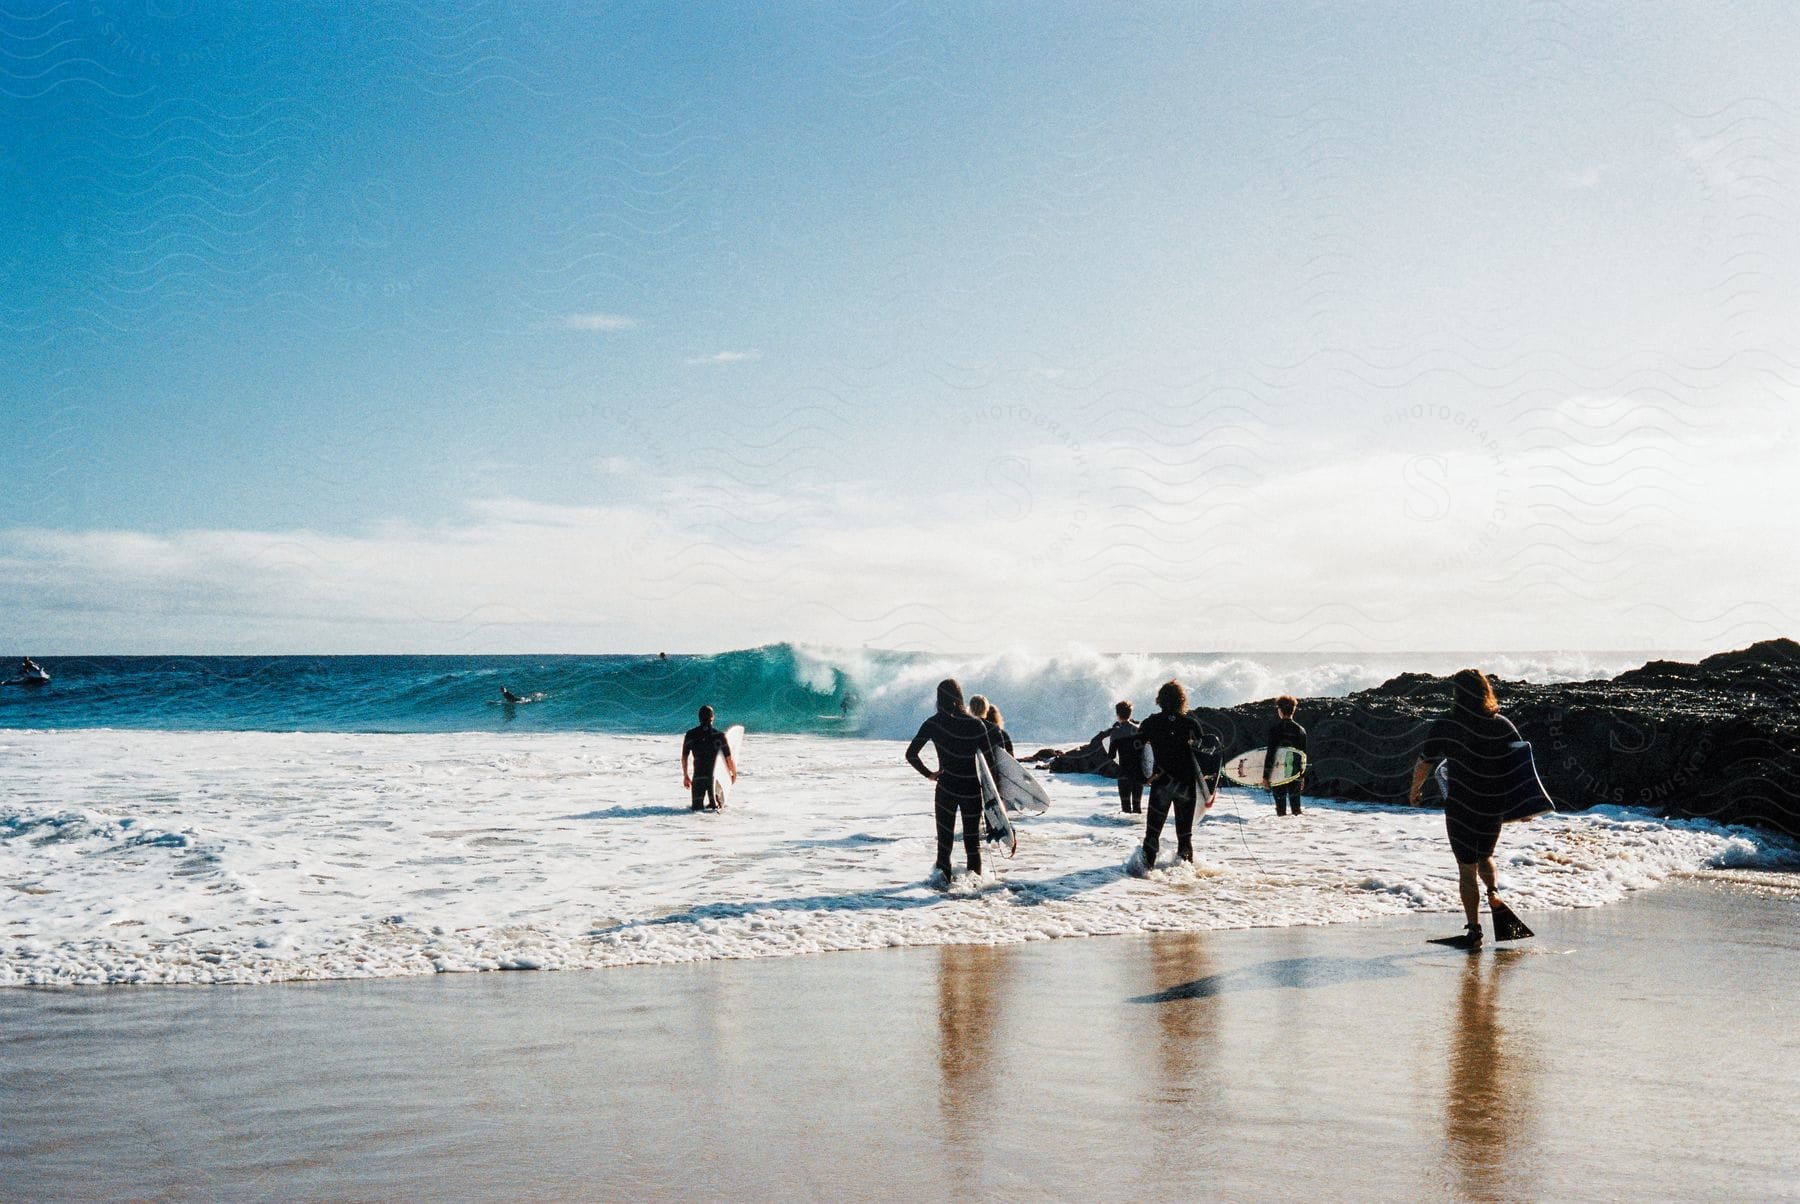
(1642, 1050)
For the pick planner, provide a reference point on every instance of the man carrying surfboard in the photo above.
(1285, 733)
(1175, 739)
(959, 738)
(706, 744)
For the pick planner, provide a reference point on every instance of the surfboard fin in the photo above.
(1507, 926)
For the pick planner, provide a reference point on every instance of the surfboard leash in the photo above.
(1243, 836)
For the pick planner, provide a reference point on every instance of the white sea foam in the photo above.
(131, 856)
(1052, 694)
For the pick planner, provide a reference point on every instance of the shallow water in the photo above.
(1639, 1051)
(237, 857)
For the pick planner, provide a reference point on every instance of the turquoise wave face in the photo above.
(1049, 697)
(767, 689)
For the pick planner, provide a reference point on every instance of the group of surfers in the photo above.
(1182, 773)
(1473, 736)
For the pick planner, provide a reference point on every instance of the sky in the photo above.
(500, 327)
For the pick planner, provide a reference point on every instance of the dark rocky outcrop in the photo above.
(1718, 740)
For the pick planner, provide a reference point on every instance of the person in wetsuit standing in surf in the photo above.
(1284, 733)
(989, 714)
(1178, 741)
(704, 744)
(1121, 743)
(959, 738)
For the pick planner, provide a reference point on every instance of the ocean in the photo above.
(785, 688)
(264, 819)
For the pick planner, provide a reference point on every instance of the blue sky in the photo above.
(495, 327)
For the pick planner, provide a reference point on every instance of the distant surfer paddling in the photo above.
(958, 737)
(1475, 739)
(508, 697)
(1178, 743)
(1284, 733)
(705, 744)
(1122, 744)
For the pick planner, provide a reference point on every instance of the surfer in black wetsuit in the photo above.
(1121, 743)
(997, 729)
(1179, 742)
(1284, 733)
(704, 743)
(989, 714)
(508, 697)
(959, 738)
(1475, 738)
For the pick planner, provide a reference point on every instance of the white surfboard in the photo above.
(1147, 762)
(1246, 769)
(1023, 793)
(993, 808)
(734, 739)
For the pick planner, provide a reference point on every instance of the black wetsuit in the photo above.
(706, 743)
(997, 735)
(1120, 742)
(1176, 741)
(1284, 733)
(1477, 751)
(958, 739)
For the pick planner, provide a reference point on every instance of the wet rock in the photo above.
(1718, 740)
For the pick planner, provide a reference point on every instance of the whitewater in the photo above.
(146, 856)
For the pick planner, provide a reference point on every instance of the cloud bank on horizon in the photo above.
(492, 329)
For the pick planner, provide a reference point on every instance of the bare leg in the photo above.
(1487, 876)
(1471, 893)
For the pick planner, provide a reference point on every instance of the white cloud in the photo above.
(1430, 543)
(727, 357)
(608, 323)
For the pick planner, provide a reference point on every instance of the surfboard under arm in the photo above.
(1246, 769)
(734, 739)
(993, 808)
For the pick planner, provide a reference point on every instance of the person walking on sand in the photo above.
(1474, 738)
(989, 714)
(1121, 743)
(1284, 733)
(958, 738)
(1176, 738)
(705, 743)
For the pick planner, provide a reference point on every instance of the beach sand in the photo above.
(1641, 1050)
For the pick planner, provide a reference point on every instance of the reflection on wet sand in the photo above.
(971, 985)
(1179, 1040)
(1488, 1090)
(1188, 1026)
